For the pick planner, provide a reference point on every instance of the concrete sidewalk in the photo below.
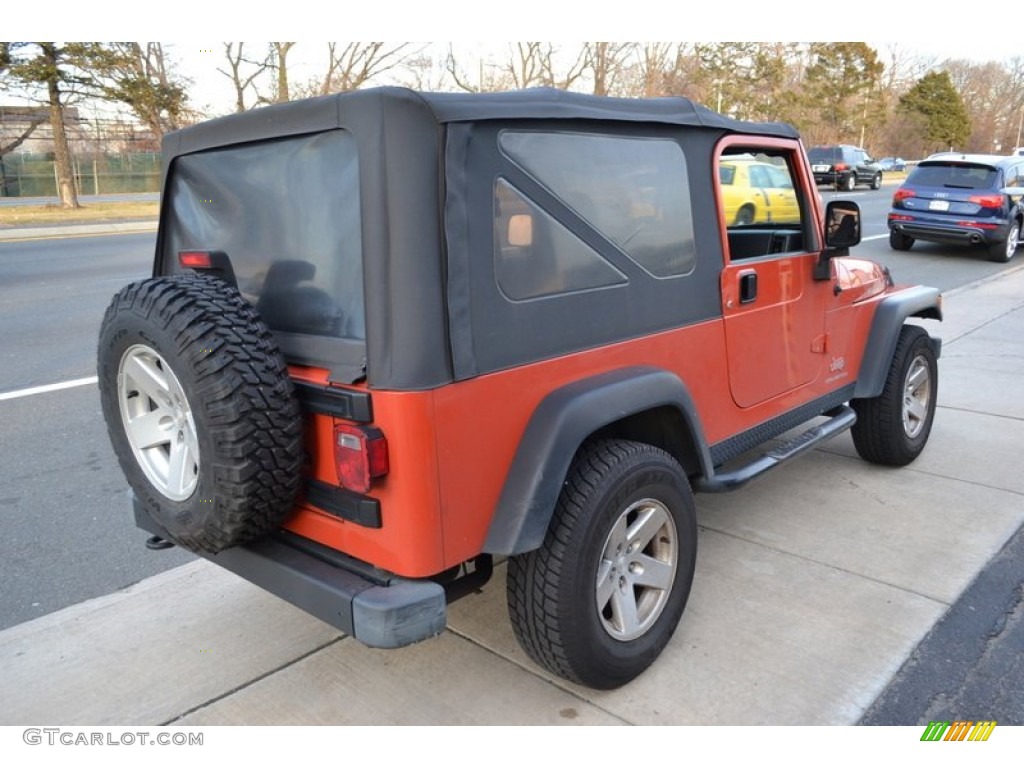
(814, 585)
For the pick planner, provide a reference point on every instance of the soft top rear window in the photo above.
(286, 212)
(954, 175)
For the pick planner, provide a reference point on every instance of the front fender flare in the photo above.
(890, 315)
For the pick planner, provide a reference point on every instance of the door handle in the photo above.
(748, 287)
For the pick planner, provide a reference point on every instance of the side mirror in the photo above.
(842, 232)
(842, 224)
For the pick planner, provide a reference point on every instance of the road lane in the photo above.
(67, 535)
(52, 297)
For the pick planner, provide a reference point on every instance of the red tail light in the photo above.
(903, 194)
(361, 454)
(987, 201)
(840, 167)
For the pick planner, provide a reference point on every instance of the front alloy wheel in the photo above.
(917, 397)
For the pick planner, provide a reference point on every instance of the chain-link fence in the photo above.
(34, 174)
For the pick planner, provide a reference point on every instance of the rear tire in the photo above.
(876, 181)
(899, 241)
(893, 428)
(200, 410)
(601, 598)
(850, 182)
(1002, 252)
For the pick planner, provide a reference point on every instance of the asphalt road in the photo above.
(68, 537)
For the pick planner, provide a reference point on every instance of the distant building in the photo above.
(15, 120)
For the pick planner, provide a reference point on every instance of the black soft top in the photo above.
(413, 177)
(391, 103)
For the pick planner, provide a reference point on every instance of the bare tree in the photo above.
(488, 77)
(987, 91)
(424, 73)
(352, 65)
(607, 64)
(528, 65)
(556, 77)
(244, 73)
(279, 63)
(652, 71)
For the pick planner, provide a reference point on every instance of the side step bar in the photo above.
(841, 419)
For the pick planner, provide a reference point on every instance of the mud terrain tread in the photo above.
(242, 397)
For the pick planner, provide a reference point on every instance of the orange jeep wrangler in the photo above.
(391, 336)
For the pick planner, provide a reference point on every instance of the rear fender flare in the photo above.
(560, 424)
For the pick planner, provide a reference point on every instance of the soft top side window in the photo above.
(632, 191)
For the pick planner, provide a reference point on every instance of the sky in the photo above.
(213, 93)
(474, 25)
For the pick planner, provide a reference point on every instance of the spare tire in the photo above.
(200, 410)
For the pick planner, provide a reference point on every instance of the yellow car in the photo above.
(754, 192)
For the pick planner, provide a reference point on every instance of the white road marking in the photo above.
(48, 388)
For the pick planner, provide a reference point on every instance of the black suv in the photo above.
(844, 167)
(962, 200)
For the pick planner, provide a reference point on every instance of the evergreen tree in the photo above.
(937, 109)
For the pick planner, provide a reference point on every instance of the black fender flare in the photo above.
(557, 428)
(891, 313)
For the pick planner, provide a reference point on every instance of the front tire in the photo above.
(598, 602)
(893, 428)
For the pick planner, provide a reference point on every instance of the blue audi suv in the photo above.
(962, 200)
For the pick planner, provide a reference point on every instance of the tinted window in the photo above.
(536, 256)
(954, 176)
(286, 213)
(634, 192)
(823, 154)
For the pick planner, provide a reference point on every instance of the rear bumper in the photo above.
(379, 610)
(963, 235)
(831, 178)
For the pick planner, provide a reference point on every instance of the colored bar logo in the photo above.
(961, 730)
